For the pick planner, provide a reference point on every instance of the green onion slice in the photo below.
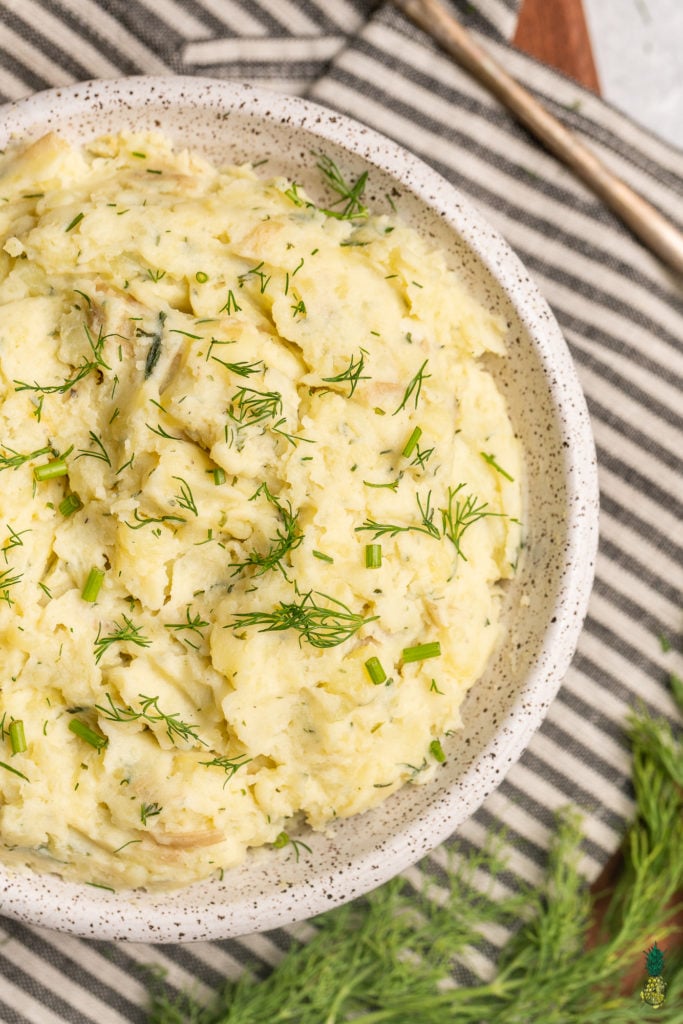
(95, 739)
(436, 750)
(72, 503)
(375, 671)
(411, 443)
(201, 277)
(420, 652)
(93, 585)
(218, 476)
(17, 737)
(373, 556)
(49, 470)
(322, 556)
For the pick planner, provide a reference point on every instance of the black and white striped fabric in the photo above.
(622, 315)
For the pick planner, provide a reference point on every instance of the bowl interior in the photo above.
(547, 600)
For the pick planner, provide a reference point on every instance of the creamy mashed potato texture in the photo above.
(258, 495)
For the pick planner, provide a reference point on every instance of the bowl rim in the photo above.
(97, 913)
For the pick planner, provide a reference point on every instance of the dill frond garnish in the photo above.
(414, 388)
(287, 538)
(88, 364)
(150, 712)
(352, 374)
(318, 624)
(389, 958)
(230, 765)
(350, 193)
(125, 632)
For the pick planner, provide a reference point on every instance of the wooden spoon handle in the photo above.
(658, 233)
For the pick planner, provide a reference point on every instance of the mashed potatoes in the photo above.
(257, 495)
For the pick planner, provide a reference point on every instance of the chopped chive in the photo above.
(375, 671)
(95, 739)
(499, 469)
(93, 585)
(49, 470)
(72, 503)
(201, 277)
(77, 220)
(16, 737)
(420, 652)
(373, 556)
(218, 476)
(15, 771)
(322, 556)
(436, 750)
(411, 443)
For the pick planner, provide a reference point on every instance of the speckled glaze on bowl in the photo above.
(548, 600)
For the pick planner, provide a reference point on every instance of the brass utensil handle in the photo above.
(658, 233)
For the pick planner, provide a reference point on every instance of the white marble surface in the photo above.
(638, 49)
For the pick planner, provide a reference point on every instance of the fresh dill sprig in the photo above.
(16, 459)
(143, 520)
(249, 406)
(149, 811)
(318, 624)
(7, 580)
(456, 518)
(459, 515)
(389, 958)
(414, 388)
(425, 525)
(100, 452)
(88, 364)
(350, 193)
(230, 765)
(242, 368)
(125, 632)
(352, 374)
(186, 498)
(287, 538)
(194, 624)
(150, 712)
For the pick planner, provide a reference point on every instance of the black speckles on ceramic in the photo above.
(547, 601)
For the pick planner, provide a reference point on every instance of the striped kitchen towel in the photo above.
(621, 312)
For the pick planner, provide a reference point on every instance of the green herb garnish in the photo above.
(150, 712)
(389, 958)
(125, 632)
(352, 374)
(319, 625)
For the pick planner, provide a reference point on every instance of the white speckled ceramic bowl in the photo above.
(233, 124)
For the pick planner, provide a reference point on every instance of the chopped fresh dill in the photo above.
(350, 193)
(414, 388)
(185, 498)
(352, 374)
(16, 459)
(143, 520)
(230, 765)
(287, 538)
(96, 361)
(151, 713)
(249, 406)
(491, 459)
(149, 811)
(318, 624)
(195, 624)
(125, 632)
(100, 451)
(284, 839)
(425, 524)
(458, 517)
